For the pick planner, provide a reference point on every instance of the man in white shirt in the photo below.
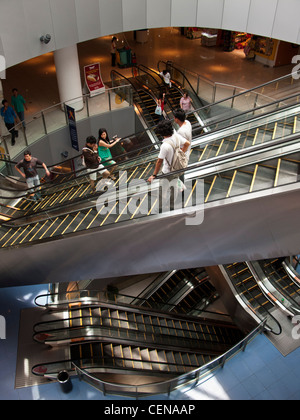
(165, 159)
(185, 128)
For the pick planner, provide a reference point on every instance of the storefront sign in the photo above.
(72, 127)
(93, 79)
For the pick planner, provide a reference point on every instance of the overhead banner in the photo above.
(93, 79)
(72, 127)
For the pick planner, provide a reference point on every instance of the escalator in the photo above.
(114, 337)
(262, 175)
(186, 291)
(250, 295)
(151, 78)
(143, 99)
(230, 176)
(255, 135)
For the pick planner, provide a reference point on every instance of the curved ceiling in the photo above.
(23, 22)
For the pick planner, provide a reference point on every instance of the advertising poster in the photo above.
(72, 127)
(93, 79)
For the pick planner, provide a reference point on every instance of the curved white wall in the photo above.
(22, 22)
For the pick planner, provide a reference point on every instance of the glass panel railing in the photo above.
(54, 118)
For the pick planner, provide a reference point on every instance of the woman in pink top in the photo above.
(186, 102)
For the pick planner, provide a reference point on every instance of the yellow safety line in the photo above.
(191, 193)
(48, 228)
(220, 147)
(108, 214)
(274, 132)
(95, 217)
(12, 237)
(295, 125)
(84, 190)
(145, 170)
(146, 195)
(57, 198)
(91, 316)
(237, 142)
(231, 184)
(277, 173)
(38, 230)
(253, 178)
(83, 219)
(152, 207)
(203, 152)
(255, 137)
(211, 187)
(123, 210)
(28, 233)
(62, 222)
(71, 222)
(65, 197)
(6, 234)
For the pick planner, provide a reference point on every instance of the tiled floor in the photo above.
(261, 372)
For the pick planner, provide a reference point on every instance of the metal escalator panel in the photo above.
(247, 288)
(276, 274)
(86, 323)
(243, 180)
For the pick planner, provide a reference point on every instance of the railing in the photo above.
(55, 117)
(191, 378)
(212, 92)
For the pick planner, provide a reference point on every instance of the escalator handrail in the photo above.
(211, 162)
(171, 384)
(136, 90)
(199, 137)
(128, 305)
(185, 78)
(263, 319)
(245, 92)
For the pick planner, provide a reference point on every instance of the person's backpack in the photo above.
(180, 160)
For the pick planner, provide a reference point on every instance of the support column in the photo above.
(68, 76)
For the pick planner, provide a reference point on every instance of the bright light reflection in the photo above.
(26, 367)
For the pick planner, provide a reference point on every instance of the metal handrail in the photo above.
(191, 378)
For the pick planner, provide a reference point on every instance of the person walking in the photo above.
(10, 117)
(165, 75)
(29, 166)
(19, 105)
(169, 184)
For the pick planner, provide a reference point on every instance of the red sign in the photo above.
(93, 79)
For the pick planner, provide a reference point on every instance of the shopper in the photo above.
(10, 118)
(92, 162)
(160, 106)
(185, 128)
(104, 146)
(165, 75)
(29, 166)
(186, 102)
(164, 161)
(19, 105)
(113, 51)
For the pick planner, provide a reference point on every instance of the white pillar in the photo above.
(68, 76)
